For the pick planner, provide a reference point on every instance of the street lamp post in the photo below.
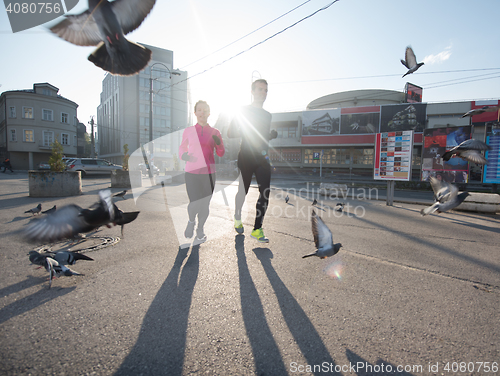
(151, 151)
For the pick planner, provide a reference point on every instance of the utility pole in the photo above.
(92, 149)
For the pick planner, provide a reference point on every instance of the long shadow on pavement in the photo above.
(161, 345)
(267, 356)
(32, 301)
(303, 331)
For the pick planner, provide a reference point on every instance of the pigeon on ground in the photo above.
(287, 199)
(410, 61)
(71, 220)
(322, 238)
(314, 202)
(104, 25)
(339, 207)
(469, 150)
(69, 257)
(34, 211)
(447, 196)
(121, 194)
(51, 210)
(50, 264)
(479, 111)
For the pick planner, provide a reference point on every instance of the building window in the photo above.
(29, 136)
(27, 112)
(64, 118)
(12, 112)
(74, 141)
(13, 136)
(47, 115)
(48, 138)
(47, 92)
(64, 139)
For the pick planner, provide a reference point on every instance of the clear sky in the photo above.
(353, 44)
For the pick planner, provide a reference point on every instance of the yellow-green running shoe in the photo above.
(259, 235)
(238, 226)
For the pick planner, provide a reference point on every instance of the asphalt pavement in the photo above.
(406, 294)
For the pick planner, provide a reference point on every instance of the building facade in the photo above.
(31, 120)
(341, 128)
(124, 110)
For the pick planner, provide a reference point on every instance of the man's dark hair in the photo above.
(259, 80)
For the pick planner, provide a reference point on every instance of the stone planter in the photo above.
(126, 179)
(54, 184)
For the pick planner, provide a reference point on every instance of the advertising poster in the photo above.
(321, 122)
(359, 123)
(393, 153)
(492, 169)
(403, 117)
(436, 142)
(413, 93)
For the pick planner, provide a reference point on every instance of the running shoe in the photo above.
(238, 226)
(259, 235)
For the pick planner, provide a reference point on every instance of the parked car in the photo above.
(43, 166)
(95, 166)
(144, 168)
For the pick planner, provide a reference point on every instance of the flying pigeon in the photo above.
(121, 194)
(322, 239)
(51, 210)
(339, 207)
(71, 220)
(287, 199)
(104, 25)
(410, 61)
(442, 190)
(36, 210)
(447, 196)
(314, 202)
(478, 111)
(469, 150)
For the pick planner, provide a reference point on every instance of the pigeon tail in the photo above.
(123, 63)
(310, 255)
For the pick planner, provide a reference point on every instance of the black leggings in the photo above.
(199, 189)
(262, 170)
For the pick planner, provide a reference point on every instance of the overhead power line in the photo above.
(259, 43)
(237, 40)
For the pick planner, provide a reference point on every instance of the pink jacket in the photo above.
(198, 142)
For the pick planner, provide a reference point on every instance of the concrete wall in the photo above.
(54, 184)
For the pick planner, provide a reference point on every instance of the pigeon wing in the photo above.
(63, 223)
(474, 156)
(404, 63)
(411, 60)
(321, 232)
(105, 197)
(473, 144)
(131, 13)
(81, 30)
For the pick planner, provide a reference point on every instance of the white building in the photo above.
(31, 120)
(123, 115)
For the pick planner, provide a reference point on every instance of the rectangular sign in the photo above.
(393, 155)
(492, 169)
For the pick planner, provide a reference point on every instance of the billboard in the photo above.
(436, 142)
(403, 117)
(321, 122)
(492, 169)
(360, 120)
(413, 93)
(393, 155)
